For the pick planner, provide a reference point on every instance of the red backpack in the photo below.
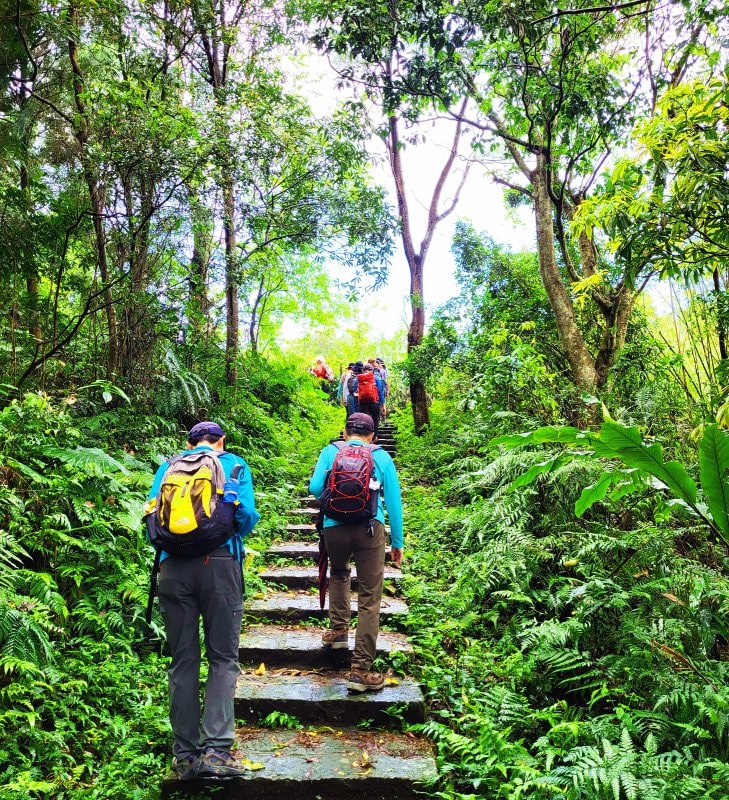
(351, 488)
(367, 391)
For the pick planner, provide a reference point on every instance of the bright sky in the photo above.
(481, 202)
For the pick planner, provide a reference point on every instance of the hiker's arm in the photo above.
(157, 482)
(246, 515)
(393, 503)
(316, 484)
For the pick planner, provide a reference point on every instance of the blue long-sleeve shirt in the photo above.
(387, 476)
(246, 515)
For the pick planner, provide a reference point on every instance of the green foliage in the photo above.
(566, 656)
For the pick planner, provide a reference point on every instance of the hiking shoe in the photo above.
(337, 640)
(186, 767)
(219, 764)
(361, 681)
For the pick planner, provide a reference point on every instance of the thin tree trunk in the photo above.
(721, 321)
(96, 190)
(582, 364)
(232, 336)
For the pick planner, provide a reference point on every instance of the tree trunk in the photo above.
(231, 283)
(721, 314)
(32, 281)
(582, 364)
(199, 304)
(95, 187)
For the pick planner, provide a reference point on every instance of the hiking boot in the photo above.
(362, 681)
(219, 764)
(186, 767)
(337, 640)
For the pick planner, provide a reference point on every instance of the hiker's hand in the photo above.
(396, 556)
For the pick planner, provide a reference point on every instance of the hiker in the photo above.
(370, 394)
(352, 402)
(384, 375)
(365, 542)
(344, 392)
(324, 372)
(208, 585)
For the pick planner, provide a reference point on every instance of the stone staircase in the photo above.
(346, 742)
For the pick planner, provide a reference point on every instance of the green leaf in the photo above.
(547, 435)
(540, 469)
(628, 446)
(91, 460)
(713, 465)
(597, 491)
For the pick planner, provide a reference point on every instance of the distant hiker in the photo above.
(362, 540)
(370, 394)
(324, 372)
(186, 503)
(345, 393)
(384, 375)
(353, 401)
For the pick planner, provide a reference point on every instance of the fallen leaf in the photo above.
(392, 682)
(261, 670)
(253, 766)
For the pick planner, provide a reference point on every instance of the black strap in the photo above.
(153, 586)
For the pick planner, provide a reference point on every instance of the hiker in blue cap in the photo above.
(208, 585)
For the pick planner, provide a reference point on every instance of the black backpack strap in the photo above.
(153, 586)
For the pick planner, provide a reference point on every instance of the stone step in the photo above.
(298, 551)
(302, 530)
(302, 577)
(300, 646)
(321, 764)
(323, 697)
(310, 511)
(287, 607)
(305, 532)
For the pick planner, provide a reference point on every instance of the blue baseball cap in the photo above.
(206, 428)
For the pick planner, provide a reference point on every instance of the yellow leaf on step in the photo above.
(392, 682)
(253, 766)
(261, 670)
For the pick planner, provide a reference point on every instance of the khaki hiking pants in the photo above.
(347, 543)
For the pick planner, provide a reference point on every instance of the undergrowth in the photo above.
(561, 657)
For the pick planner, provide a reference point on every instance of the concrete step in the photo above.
(303, 511)
(287, 607)
(303, 577)
(302, 530)
(321, 764)
(300, 646)
(322, 696)
(306, 531)
(298, 551)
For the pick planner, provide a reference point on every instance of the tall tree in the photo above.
(555, 91)
(370, 38)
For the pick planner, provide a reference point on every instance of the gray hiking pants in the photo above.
(353, 542)
(211, 587)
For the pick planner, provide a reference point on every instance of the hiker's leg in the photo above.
(338, 540)
(376, 416)
(369, 558)
(221, 601)
(181, 612)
